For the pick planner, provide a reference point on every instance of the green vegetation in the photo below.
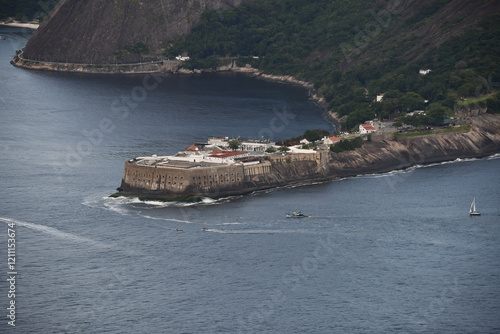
(455, 129)
(25, 10)
(347, 145)
(234, 144)
(310, 135)
(313, 135)
(138, 48)
(490, 101)
(330, 43)
(270, 150)
(283, 149)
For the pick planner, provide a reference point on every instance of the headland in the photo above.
(212, 169)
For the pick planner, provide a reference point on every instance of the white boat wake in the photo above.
(53, 232)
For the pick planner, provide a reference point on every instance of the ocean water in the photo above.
(388, 253)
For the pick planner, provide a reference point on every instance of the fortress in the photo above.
(212, 170)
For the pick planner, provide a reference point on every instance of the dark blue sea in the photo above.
(388, 253)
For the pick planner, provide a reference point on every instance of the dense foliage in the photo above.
(234, 144)
(347, 145)
(310, 135)
(320, 41)
(25, 10)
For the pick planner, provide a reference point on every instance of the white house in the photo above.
(256, 145)
(424, 71)
(329, 140)
(380, 98)
(182, 58)
(305, 142)
(366, 128)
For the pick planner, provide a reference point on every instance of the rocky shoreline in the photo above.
(165, 66)
(384, 153)
(15, 24)
(169, 67)
(161, 66)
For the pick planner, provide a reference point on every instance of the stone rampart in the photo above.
(171, 181)
(255, 170)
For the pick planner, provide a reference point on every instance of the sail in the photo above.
(472, 210)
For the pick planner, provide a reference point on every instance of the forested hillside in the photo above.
(355, 50)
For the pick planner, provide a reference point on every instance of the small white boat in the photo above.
(296, 215)
(472, 209)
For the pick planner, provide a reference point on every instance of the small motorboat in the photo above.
(297, 214)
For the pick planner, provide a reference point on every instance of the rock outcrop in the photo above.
(115, 31)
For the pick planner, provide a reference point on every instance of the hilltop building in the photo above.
(329, 140)
(366, 128)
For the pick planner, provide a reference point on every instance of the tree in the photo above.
(347, 145)
(466, 89)
(390, 106)
(234, 144)
(283, 149)
(313, 135)
(436, 113)
(139, 47)
(412, 101)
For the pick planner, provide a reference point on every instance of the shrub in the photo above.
(347, 145)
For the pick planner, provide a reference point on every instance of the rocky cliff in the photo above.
(115, 31)
(383, 154)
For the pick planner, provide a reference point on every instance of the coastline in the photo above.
(392, 154)
(384, 154)
(169, 67)
(33, 26)
(165, 66)
(161, 66)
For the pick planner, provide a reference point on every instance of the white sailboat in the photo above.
(472, 210)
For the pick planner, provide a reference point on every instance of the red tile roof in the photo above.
(333, 138)
(192, 148)
(368, 127)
